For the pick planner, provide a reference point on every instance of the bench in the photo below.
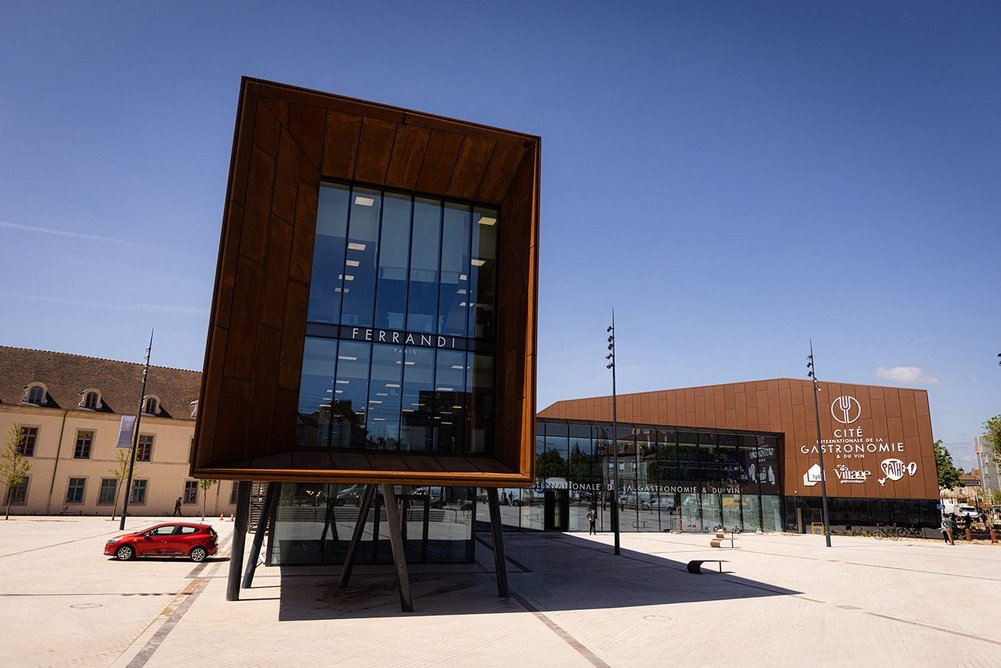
(695, 565)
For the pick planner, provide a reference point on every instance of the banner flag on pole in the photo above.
(125, 431)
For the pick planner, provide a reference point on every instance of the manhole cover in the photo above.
(657, 618)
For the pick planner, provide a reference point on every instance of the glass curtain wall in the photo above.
(399, 350)
(669, 479)
(314, 523)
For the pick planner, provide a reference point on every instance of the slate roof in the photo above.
(66, 376)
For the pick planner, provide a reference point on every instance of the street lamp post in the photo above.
(135, 437)
(615, 435)
(820, 448)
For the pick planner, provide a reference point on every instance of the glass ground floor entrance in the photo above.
(667, 478)
(696, 508)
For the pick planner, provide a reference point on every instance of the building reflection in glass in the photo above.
(669, 479)
(399, 352)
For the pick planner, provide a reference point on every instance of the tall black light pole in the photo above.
(135, 437)
(820, 448)
(615, 435)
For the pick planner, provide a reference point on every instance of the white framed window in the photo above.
(26, 443)
(144, 448)
(90, 399)
(139, 489)
(84, 443)
(75, 490)
(190, 491)
(151, 405)
(18, 494)
(35, 393)
(106, 495)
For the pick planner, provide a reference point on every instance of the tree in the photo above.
(550, 464)
(992, 435)
(14, 466)
(205, 484)
(120, 470)
(948, 474)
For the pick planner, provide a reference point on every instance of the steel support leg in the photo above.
(426, 528)
(349, 559)
(379, 500)
(239, 540)
(497, 531)
(399, 551)
(270, 499)
(330, 518)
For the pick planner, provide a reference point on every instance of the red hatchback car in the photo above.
(171, 539)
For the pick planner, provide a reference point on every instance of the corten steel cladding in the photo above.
(877, 440)
(287, 140)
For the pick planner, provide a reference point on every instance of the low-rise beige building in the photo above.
(68, 412)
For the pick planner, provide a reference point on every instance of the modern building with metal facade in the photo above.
(742, 455)
(373, 321)
(373, 318)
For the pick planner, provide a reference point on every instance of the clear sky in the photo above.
(734, 178)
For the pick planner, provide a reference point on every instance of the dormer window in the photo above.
(151, 406)
(194, 408)
(90, 399)
(34, 394)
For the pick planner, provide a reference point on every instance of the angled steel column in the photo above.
(399, 547)
(375, 528)
(497, 531)
(239, 540)
(349, 559)
(263, 523)
(330, 517)
(426, 528)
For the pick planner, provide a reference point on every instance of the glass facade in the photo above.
(677, 479)
(399, 350)
(314, 522)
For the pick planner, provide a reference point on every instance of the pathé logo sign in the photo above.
(895, 469)
(846, 409)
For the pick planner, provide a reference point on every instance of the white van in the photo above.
(960, 509)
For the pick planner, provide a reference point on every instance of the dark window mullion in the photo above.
(375, 302)
(410, 259)
(434, 330)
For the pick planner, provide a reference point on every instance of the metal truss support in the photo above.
(263, 524)
(497, 531)
(359, 530)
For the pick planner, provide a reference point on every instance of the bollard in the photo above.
(969, 535)
(994, 535)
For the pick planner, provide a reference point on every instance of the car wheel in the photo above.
(125, 553)
(198, 554)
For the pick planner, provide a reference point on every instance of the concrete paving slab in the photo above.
(783, 600)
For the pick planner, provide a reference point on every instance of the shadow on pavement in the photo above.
(546, 572)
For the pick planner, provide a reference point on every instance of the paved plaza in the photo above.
(782, 600)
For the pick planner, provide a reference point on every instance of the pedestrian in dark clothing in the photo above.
(592, 517)
(177, 507)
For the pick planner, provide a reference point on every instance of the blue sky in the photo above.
(734, 178)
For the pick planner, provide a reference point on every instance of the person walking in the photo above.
(592, 517)
(177, 507)
(950, 529)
